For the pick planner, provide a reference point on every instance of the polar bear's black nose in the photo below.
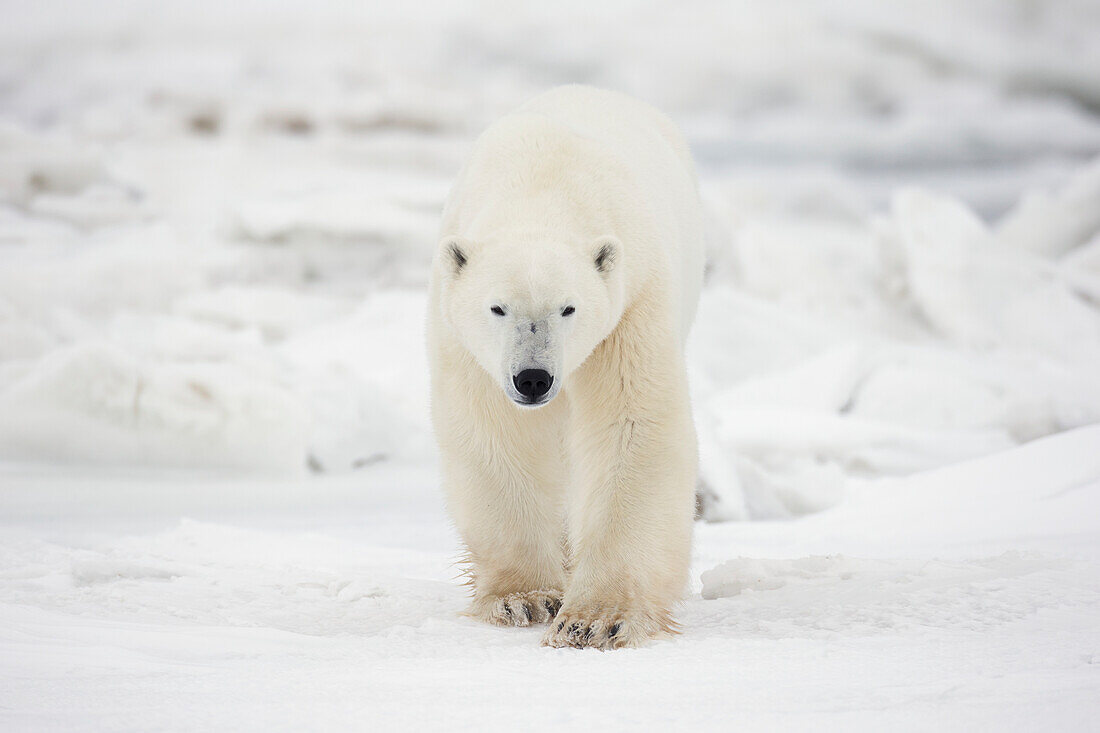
(533, 383)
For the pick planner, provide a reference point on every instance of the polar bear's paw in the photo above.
(605, 627)
(520, 609)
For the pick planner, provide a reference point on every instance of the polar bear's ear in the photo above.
(456, 253)
(605, 254)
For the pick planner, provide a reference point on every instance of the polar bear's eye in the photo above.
(497, 310)
(568, 310)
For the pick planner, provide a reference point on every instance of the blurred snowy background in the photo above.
(215, 226)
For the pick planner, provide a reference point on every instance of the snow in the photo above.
(219, 499)
(959, 598)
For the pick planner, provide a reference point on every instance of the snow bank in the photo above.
(100, 405)
(918, 338)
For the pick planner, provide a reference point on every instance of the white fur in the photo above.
(588, 499)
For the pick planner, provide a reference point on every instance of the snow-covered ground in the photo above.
(219, 502)
(961, 599)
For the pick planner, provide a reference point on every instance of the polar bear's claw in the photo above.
(599, 629)
(521, 609)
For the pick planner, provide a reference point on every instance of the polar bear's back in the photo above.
(635, 132)
(616, 120)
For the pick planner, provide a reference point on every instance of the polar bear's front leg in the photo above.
(510, 522)
(632, 503)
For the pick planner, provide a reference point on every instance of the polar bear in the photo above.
(561, 295)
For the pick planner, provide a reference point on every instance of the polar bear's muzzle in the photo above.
(534, 357)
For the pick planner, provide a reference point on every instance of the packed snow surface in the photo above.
(960, 599)
(219, 500)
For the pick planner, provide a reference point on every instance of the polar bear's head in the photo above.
(530, 313)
